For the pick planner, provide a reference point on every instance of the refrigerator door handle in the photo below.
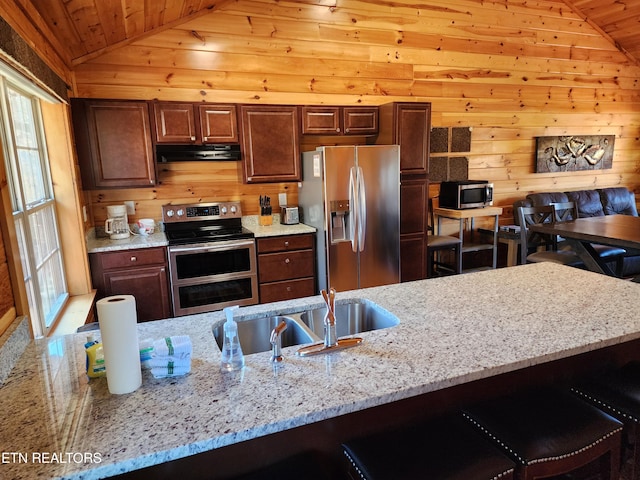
(362, 210)
(353, 209)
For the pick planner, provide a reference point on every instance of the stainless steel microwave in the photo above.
(466, 194)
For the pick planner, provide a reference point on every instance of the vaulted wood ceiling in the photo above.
(84, 29)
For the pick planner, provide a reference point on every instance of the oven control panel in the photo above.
(201, 211)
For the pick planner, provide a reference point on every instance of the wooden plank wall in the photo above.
(511, 70)
(7, 307)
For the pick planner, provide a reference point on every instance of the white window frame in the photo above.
(44, 310)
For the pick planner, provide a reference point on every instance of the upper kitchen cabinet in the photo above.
(174, 122)
(339, 120)
(218, 123)
(271, 143)
(113, 142)
(407, 125)
(195, 123)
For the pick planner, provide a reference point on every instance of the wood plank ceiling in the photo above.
(87, 28)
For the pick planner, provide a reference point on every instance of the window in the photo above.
(33, 204)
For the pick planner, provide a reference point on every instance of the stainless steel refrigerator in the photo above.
(351, 195)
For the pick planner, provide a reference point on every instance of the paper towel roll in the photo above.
(119, 331)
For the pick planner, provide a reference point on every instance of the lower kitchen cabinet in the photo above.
(286, 267)
(413, 229)
(141, 273)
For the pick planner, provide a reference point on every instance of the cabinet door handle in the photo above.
(286, 260)
(193, 139)
(134, 259)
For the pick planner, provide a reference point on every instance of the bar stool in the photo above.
(550, 432)
(618, 393)
(446, 448)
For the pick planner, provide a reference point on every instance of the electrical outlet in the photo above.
(131, 207)
(282, 199)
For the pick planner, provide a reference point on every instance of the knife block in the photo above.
(265, 220)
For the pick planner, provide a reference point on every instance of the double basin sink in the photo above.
(308, 326)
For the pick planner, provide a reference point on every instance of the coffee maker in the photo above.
(117, 224)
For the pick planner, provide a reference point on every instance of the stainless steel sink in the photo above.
(255, 334)
(351, 318)
(308, 327)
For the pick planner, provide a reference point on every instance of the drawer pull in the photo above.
(286, 243)
(288, 289)
(134, 259)
(286, 260)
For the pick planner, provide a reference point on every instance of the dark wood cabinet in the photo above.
(195, 123)
(286, 267)
(270, 143)
(339, 120)
(413, 206)
(113, 142)
(409, 125)
(174, 122)
(360, 120)
(321, 121)
(413, 226)
(141, 273)
(413, 260)
(218, 123)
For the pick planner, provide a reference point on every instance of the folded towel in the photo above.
(178, 346)
(165, 362)
(162, 372)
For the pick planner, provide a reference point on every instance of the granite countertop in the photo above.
(276, 229)
(452, 330)
(97, 244)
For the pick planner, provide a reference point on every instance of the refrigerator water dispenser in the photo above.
(340, 221)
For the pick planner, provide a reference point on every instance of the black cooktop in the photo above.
(200, 232)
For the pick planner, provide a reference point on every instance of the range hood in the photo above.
(197, 153)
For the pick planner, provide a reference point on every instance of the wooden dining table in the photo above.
(614, 230)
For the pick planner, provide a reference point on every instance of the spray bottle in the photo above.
(232, 357)
(95, 358)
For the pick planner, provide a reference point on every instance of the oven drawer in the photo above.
(132, 258)
(286, 290)
(273, 267)
(285, 243)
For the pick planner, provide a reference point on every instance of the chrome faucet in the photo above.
(331, 340)
(330, 336)
(276, 341)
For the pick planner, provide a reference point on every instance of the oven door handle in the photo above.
(214, 247)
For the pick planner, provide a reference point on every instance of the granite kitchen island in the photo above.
(453, 331)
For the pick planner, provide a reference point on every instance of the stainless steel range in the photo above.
(212, 257)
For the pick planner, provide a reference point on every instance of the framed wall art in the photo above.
(574, 153)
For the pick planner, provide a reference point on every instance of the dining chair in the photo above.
(441, 243)
(567, 211)
(537, 247)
